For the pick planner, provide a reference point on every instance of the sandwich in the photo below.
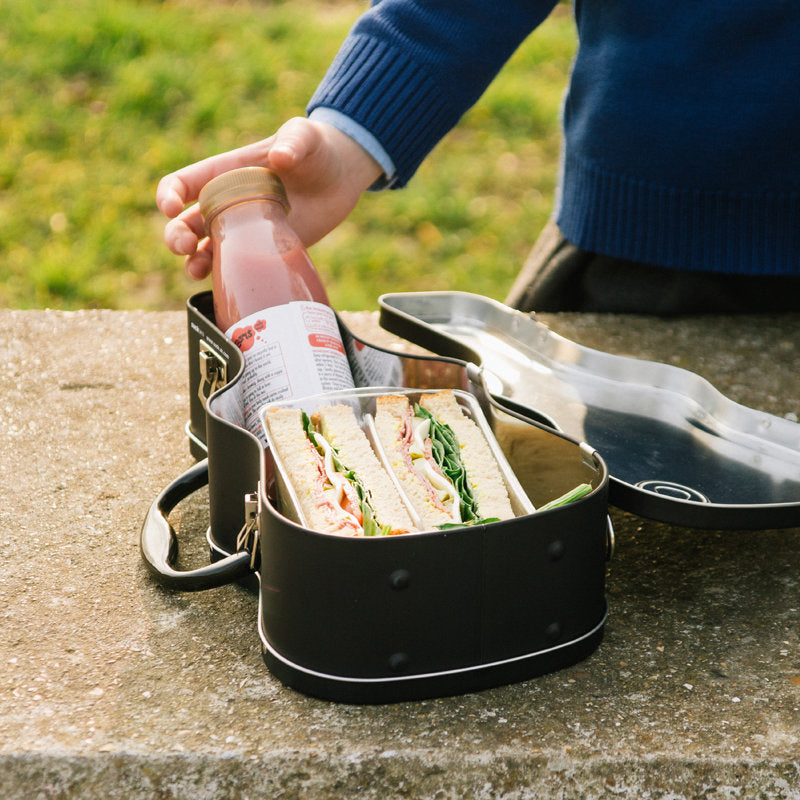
(339, 482)
(441, 460)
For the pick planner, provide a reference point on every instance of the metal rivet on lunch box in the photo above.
(555, 550)
(400, 579)
(398, 662)
(553, 632)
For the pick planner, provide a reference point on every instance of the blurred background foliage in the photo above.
(100, 98)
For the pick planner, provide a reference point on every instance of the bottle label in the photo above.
(291, 350)
(373, 367)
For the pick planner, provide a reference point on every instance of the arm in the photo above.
(406, 73)
(409, 69)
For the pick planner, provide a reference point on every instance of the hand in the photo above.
(324, 172)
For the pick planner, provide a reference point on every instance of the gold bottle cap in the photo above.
(240, 184)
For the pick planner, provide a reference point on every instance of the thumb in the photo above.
(292, 143)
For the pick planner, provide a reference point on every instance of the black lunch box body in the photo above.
(370, 620)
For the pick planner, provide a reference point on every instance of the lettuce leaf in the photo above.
(581, 490)
(447, 454)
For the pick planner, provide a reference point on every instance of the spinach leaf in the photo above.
(447, 454)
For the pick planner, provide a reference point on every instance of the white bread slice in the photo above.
(390, 413)
(483, 475)
(296, 454)
(338, 424)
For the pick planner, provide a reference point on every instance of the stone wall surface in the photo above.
(112, 687)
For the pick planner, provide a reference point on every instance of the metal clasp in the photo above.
(248, 535)
(213, 373)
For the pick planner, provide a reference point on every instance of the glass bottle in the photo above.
(268, 297)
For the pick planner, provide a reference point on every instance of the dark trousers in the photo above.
(558, 276)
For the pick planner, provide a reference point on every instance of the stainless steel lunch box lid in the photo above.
(677, 449)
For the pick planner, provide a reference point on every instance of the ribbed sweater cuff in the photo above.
(390, 96)
(714, 231)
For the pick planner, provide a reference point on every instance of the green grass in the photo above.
(100, 98)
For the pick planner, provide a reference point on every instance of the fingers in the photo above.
(169, 195)
(282, 151)
(185, 236)
(182, 233)
(182, 187)
(293, 151)
(198, 265)
(173, 194)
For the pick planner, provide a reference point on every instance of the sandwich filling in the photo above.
(434, 455)
(339, 485)
(340, 491)
(442, 461)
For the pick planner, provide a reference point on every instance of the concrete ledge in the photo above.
(114, 688)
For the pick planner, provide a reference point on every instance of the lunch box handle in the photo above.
(159, 545)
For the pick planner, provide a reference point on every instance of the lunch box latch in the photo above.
(247, 540)
(213, 372)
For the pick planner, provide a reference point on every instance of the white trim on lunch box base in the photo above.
(420, 675)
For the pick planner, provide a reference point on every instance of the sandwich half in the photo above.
(338, 480)
(441, 460)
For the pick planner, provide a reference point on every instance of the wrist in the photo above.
(373, 165)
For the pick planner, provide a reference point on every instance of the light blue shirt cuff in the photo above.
(363, 137)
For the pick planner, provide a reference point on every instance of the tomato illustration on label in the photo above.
(260, 325)
(243, 338)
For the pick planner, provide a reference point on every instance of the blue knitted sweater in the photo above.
(681, 119)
